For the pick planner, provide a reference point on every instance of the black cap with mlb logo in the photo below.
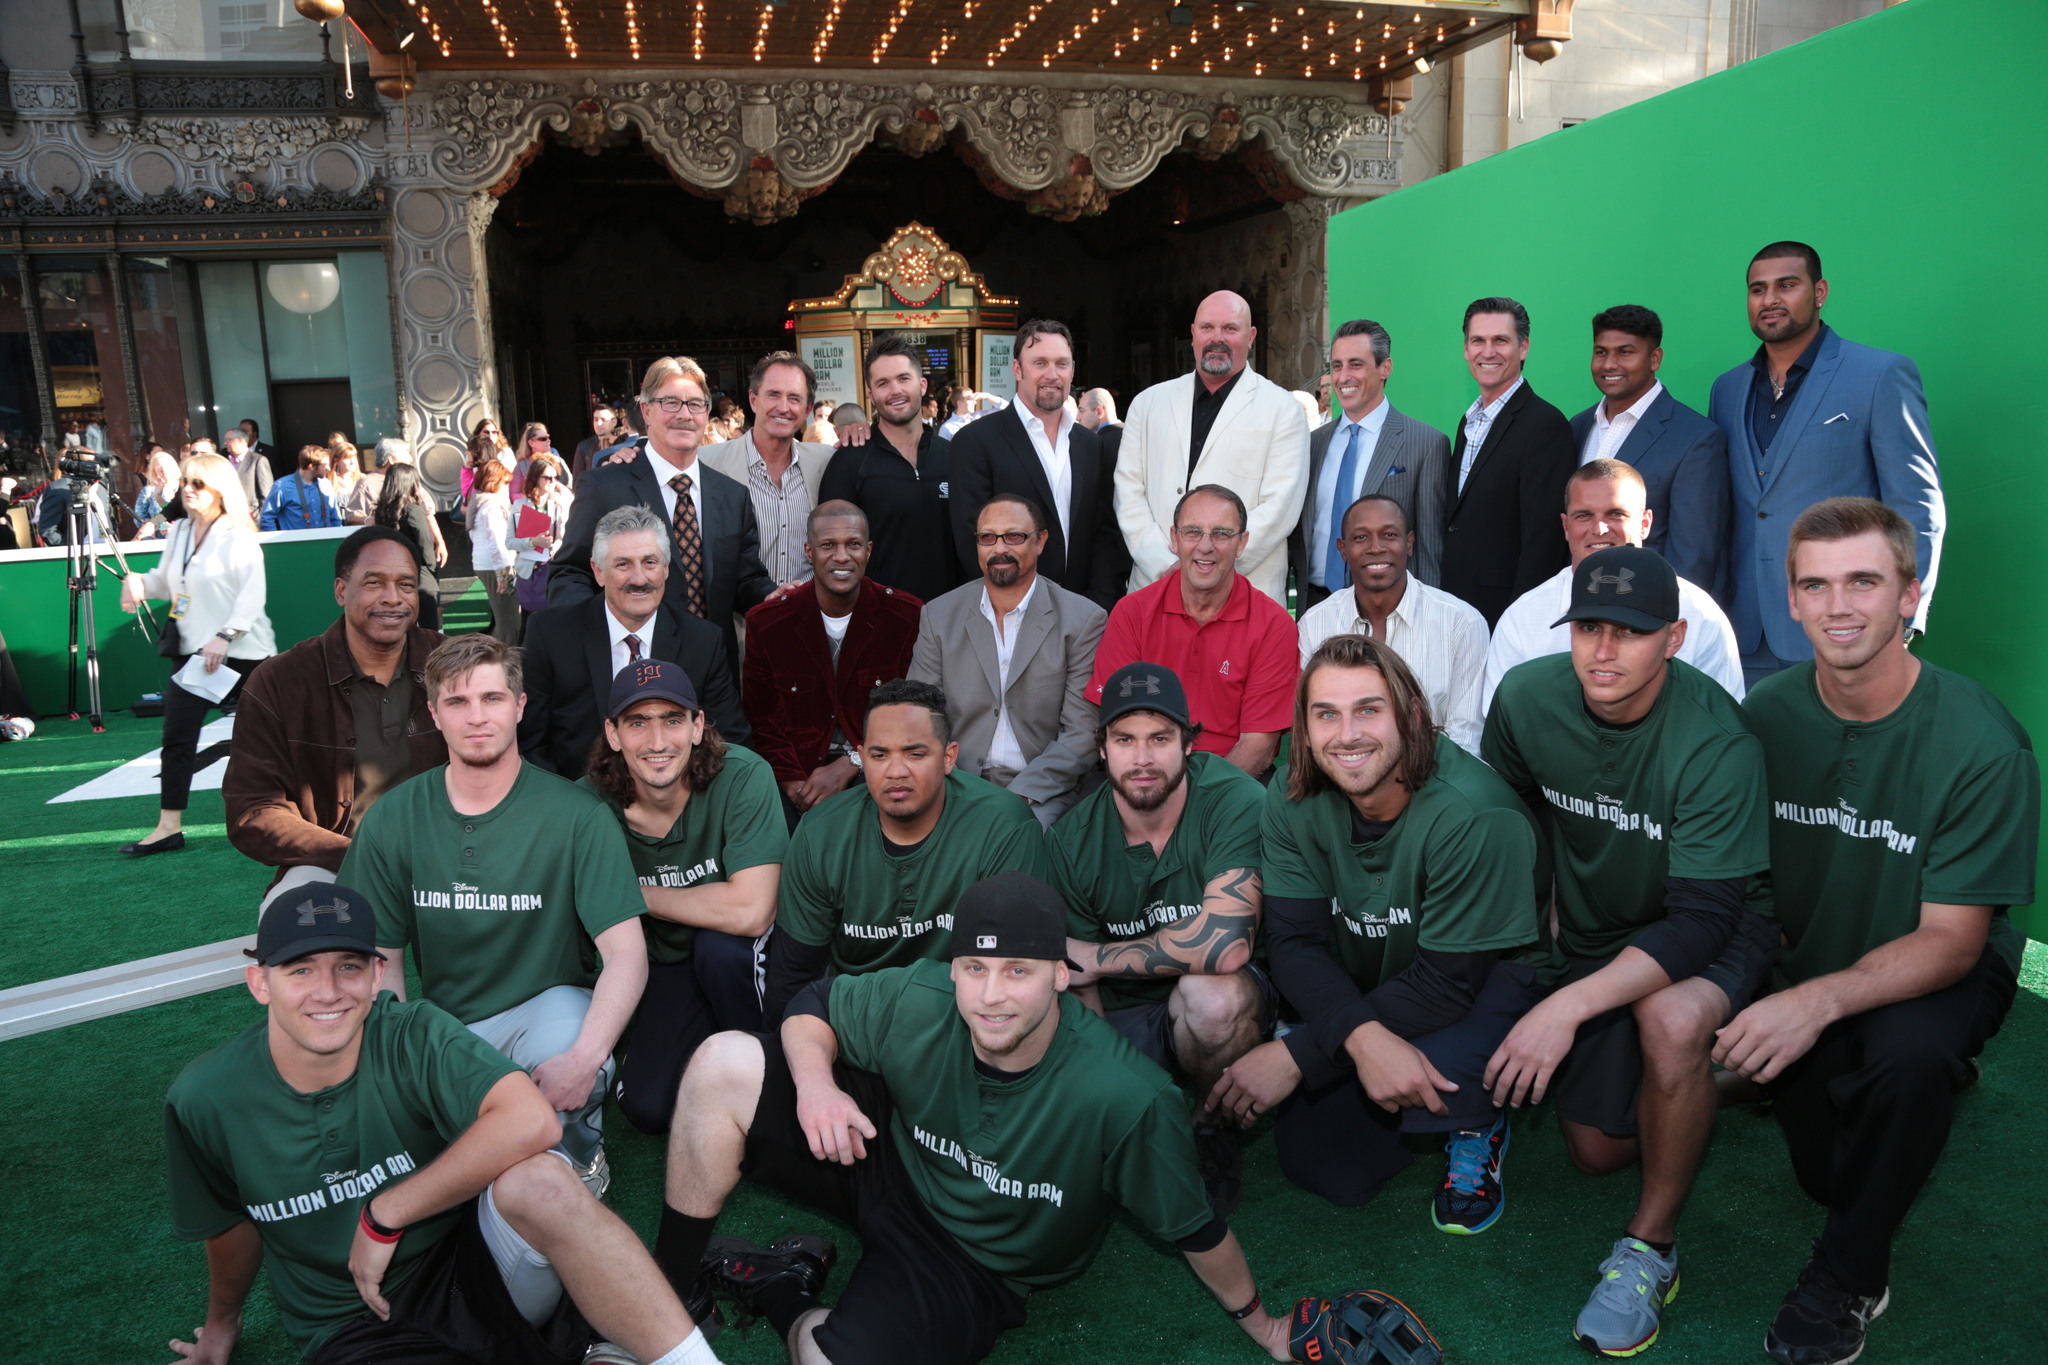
(651, 679)
(1012, 914)
(1144, 686)
(1625, 584)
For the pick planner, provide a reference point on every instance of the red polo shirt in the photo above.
(1238, 669)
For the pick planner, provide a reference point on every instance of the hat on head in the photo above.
(314, 918)
(1012, 914)
(1144, 687)
(1625, 584)
(646, 679)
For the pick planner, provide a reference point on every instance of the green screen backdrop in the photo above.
(1906, 147)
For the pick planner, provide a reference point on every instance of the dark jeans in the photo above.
(1337, 1143)
(184, 714)
(719, 988)
(1867, 1111)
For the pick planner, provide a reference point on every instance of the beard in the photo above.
(1004, 572)
(1150, 801)
(1216, 360)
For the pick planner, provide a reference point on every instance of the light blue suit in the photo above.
(1858, 427)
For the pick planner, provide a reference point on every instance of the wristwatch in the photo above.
(229, 635)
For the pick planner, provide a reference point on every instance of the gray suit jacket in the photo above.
(1054, 655)
(1408, 463)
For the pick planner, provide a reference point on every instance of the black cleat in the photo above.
(742, 1272)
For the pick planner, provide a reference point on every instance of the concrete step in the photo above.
(44, 1005)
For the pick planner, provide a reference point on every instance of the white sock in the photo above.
(691, 1350)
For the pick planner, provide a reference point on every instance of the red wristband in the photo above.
(376, 1231)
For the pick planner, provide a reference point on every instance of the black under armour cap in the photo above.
(318, 917)
(1012, 914)
(651, 680)
(1625, 584)
(1144, 687)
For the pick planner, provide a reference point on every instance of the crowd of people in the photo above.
(956, 831)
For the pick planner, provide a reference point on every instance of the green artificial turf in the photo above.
(98, 1274)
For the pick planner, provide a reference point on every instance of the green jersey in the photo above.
(1456, 873)
(1678, 794)
(1939, 802)
(496, 907)
(1023, 1172)
(732, 825)
(1117, 890)
(241, 1144)
(841, 886)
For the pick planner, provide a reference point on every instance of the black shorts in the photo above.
(1149, 1028)
(453, 1310)
(916, 1294)
(1603, 1073)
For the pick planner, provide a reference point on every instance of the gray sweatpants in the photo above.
(546, 1026)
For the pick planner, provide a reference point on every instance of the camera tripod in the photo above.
(85, 523)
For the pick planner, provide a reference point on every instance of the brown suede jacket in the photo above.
(291, 765)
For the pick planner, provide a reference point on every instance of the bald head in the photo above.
(1097, 406)
(1223, 336)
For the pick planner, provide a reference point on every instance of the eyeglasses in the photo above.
(1010, 538)
(697, 406)
(1201, 536)
(195, 483)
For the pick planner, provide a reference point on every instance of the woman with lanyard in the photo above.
(400, 507)
(159, 490)
(211, 572)
(542, 493)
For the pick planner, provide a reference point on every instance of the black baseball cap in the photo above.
(651, 678)
(1012, 914)
(1144, 687)
(1625, 584)
(318, 917)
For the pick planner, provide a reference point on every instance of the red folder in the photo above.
(532, 522)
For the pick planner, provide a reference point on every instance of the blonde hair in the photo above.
(458, 656)
(216, 473)
(1847, 518)
(670, 367)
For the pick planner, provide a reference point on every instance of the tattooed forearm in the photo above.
(1203, 943)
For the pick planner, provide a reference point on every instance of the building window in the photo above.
(21, 418)
(81, 338)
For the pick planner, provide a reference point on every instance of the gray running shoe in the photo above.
(597, 1176)
(1621, 1318)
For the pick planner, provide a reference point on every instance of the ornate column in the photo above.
(1301, 304)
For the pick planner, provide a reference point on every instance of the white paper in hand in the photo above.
(213, 686)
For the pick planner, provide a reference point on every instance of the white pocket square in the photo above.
(1838, 417)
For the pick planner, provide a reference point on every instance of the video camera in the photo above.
(86, 469)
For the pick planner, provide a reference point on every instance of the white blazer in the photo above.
(1258, 449)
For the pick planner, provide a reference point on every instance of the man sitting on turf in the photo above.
(384, 1158)
(1652, 789)
(1160, 871)
(1016, 1122)
(704, 827)
(504, 876)
(1429, 862)
(1905, 814)
(873, 872)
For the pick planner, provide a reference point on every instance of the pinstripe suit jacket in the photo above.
(1408, 463)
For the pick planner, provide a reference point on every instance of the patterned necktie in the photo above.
(1336, 574)
(689, 545)
(632, 648)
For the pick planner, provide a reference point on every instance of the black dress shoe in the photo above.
(170, 843)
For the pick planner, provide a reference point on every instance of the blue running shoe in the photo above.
(1470, 1199)
(1622, 1317)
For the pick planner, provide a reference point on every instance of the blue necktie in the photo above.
(1335, 573)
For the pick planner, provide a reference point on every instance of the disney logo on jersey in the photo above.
(987, 1172)
(341, 1187)
(904, 928)
(1608, 808)
(674, 874)
(463, 896)
(1844, 817)
(1152, 917)
(1375, 926)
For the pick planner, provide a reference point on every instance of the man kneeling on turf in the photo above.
(1160, 871)
(1403, 924)
(1652, 789)
(395, 1170)
(1016, 1121)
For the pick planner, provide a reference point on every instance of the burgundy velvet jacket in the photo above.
(792, 693)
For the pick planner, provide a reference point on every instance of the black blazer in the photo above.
(568, 661)
(1505, 531)
(995, 455)
(734, 577)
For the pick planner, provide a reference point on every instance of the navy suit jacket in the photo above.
(994, 455)
(1857, 428)
(1683, 459)
(1502, 532)
(734, 579)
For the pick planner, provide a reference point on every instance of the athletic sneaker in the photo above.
(1820, 1322)
(746, 1274)
(1620, 1319)
(1471, 1197)
(597, 1176)
(606, 1353)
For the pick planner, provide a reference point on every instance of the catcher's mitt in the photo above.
(1364, 1327)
